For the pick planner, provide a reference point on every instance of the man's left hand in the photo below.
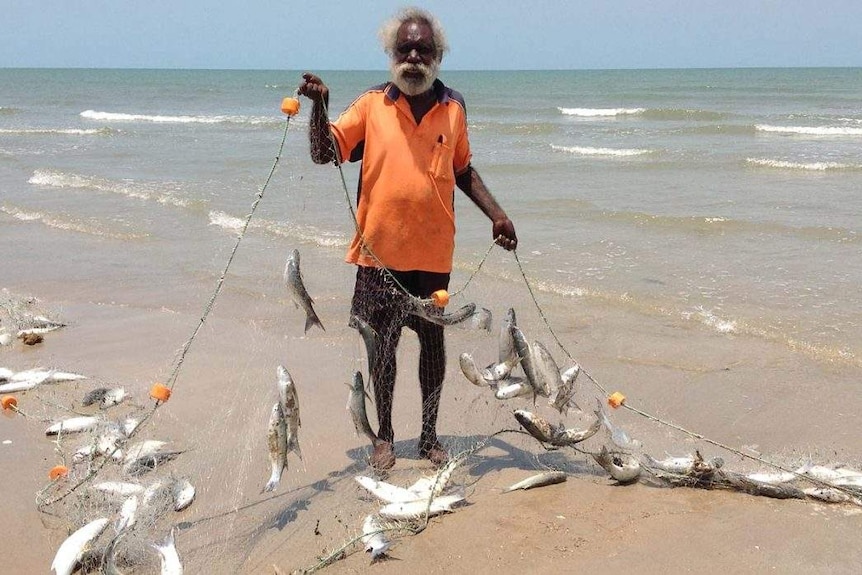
(504, 234)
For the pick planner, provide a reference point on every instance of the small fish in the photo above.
(514, 388)
(356, 407)
(434, 314)
(109, 557)
(19, 386)
(481, 319)
(546, 368)
(148, 462)
(528, 364)
(678, 465)
(565, 397)
(128, 514)
(622, 467)
(36, 331)
(470, 371)
(171, 564)
(388, 492)
(418, 509)
(74, 547)
(369, 336)
(183, 492)
(74, 425)
(535, 425)
(40, 321)
(507, 343)
(277, 442)
(94, 396)
(829, 474)
(293, 279)
(144, 448)
(618, 435)
(375, 541)
(46, 376)
(827, 494)
(565, 437)
(290, 407)
(107, 397)
(538, 480)
(106, 444)
(500, 370)
(771, 478)
(122, 488)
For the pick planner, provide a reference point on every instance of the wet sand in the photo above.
(755, 395)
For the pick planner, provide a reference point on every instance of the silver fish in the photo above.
(481, 319)
(74, 547)
(535, 425)
(128, 514)
(435, 315)
(686, 465)
(827, 494)
(183, 492)
(565, 397)
(290, 407)
(277, 442)
(356, 407)
(564, 437)
(19, 386)
(293, 278)
(121, 488)
(109, 557)
(528, 364)
(470, 371)
(500, 370)
(375, 541)
(107, 397)
(369, 336)
(171, 564)
(506, 343)
(515, 387)
(149, 461)
(418, 509)
(74, 425)
(538, 480)
(622, 466)
(618, 434)
(546, 368)
(388, 492)
(143, 448)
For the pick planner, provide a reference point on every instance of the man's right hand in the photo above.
(313, 88)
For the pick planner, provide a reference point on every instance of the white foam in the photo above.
(67, 224)
(810, 166)
(600, 112)
(161, 119)
(226, 221)
(708, 318)
(56, 131)
(590, 151)
(305, 233)
(810, 130)
(126, 188)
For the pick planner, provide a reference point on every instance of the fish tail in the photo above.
(312, 319)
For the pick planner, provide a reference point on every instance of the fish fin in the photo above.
(311, 320)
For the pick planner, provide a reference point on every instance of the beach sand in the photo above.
(756, 395)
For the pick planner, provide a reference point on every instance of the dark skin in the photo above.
(414, 45)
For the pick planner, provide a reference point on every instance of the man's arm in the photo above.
(503, 230)
(313, 88)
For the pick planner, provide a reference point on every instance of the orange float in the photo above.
(57, 472)
(440, 298)
(616, 399)
(8, 402)
(290, 106)
(160, 392)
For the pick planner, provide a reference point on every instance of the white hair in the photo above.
(388, 32)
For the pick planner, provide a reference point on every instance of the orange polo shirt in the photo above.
(406, 206)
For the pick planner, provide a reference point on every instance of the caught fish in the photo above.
(183, 492)
(369, 336)
(827, 494)
(546, 368)
(419, 509)
(434, 314)
(535, 425)
(74, 547)
(528, 364)
(106, 444)
(19, 386)
(290, 407)
(565, 397)
(622, 466)
(507, 343)
(277, 442)
(538, 480)
(121, 488)
(171, 564)
(357, 408)
(74, 425)
(470, 371)
(109, 557)
(480, 320)
(690, 465)
(776, 478)
(143, 449)
(388, 492)
(618, 434)
(375, 541)
(293, 279)
(565, 437)
(5, 374)
(46, 376)
(107, 397)
(36, 331)
(500, 370)
(128, 514)
(148, 462)
(515, 387)
(829, 474)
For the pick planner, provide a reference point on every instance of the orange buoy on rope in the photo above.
(160, 392)
(440, 298)
(290, 106)
(57, 472)
(616, 399)
(9, 402)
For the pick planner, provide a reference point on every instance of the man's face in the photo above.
(414, 64)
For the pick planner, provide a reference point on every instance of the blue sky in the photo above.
(484, 34)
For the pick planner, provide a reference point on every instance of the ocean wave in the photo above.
(303, 233)
(161, 119)
(92, 228)
(137, 190)
(591, 151)
(810, 130)
(600, 112)
(58, 131)
(805, 166)
(672, 114)
(8, 110)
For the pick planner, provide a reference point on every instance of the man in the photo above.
(411, 136)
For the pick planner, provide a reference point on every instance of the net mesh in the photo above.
(199, 465)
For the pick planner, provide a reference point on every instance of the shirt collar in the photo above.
(440, 91)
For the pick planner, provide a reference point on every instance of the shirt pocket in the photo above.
(441, 160)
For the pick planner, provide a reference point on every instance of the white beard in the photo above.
(414, 86)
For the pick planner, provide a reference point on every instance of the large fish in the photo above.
(528, 362)
(167, 549)
(289, 400)
(435, 315)
(547, 368)
(74, 547)
(357, 408)
(277, 441)
(538, 480)
(293, 279)
(507, 344)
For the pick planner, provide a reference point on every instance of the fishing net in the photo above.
(140, 456)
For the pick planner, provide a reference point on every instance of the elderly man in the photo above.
(411, 136)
